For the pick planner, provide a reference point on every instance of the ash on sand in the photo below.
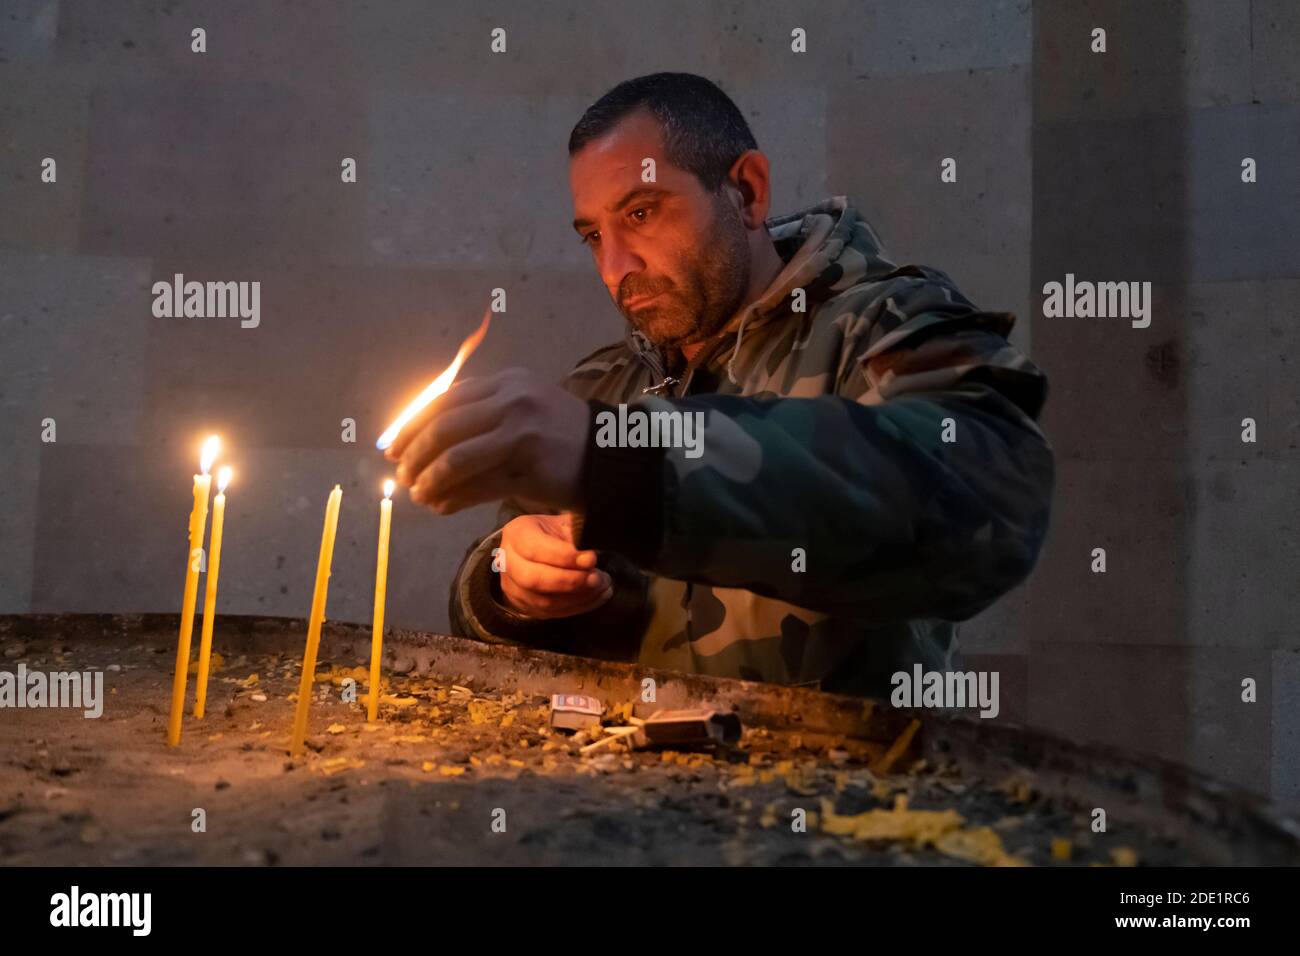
(424, 784)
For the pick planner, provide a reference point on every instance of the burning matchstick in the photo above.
(438, 385)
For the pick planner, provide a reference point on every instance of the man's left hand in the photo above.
(509, 435)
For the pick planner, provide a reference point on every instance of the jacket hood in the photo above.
(827, 248)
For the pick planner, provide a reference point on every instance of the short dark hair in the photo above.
(704, 132)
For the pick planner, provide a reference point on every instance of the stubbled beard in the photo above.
(714, 277)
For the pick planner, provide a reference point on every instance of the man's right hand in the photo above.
(544, 575)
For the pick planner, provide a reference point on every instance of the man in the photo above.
(869, 471)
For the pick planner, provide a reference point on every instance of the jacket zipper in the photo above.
(668, 382)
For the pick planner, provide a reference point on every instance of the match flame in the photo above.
(209, 454)
(223, 478)
(389, 485)
(438, 385)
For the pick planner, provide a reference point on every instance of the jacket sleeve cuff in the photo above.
(622, 496)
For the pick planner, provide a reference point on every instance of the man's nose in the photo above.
(617, 260)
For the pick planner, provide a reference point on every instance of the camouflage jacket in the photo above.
(871, 473)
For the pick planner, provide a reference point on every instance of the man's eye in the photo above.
(640, 215)
(589, 238)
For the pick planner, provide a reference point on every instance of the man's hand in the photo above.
(509, 435)
(544, 575)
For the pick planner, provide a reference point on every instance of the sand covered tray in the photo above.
(462, 767)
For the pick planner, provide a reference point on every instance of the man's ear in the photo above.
(749, 176)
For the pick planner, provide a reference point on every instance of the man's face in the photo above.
(674, 257)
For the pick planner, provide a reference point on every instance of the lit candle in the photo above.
(317, 617)
(193, 558)
(210, 593)
(381, 591)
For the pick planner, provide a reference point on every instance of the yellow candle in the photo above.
(317, 617)
(381, 590)
(193, 558)
(210, 593)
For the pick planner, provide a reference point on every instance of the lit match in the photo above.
(438, 385)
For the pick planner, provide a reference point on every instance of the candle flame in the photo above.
(389, 485)
(223, 478)
(209, 454)
(438, 385)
